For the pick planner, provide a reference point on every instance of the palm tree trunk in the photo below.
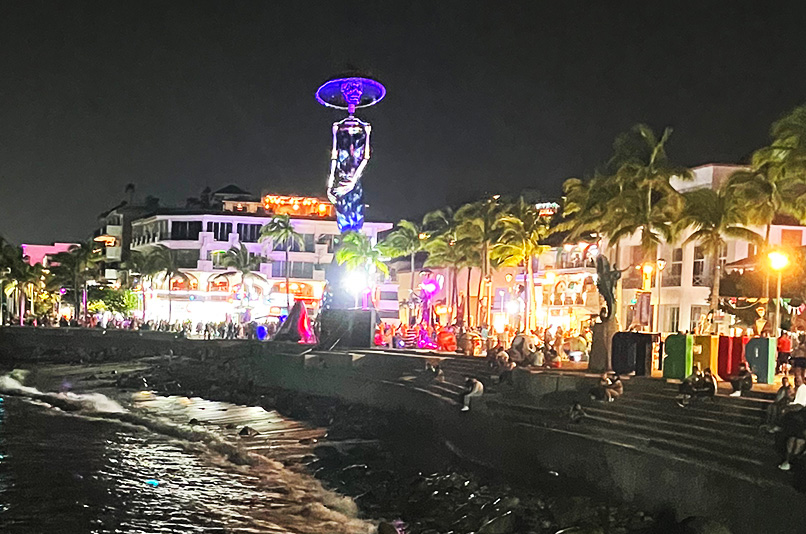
(143, 292)
(85, 303)
(411, 288)
(478, 299)
(767, 272)
(76, 297)
(467, 296)
(530, 295)
(170, 301)
(21, 303)
(287, 283)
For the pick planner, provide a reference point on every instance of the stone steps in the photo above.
(746, 456)
(682, 416)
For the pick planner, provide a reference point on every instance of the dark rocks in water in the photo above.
(574, 510)
(194, 421)
(248, 431)
(131, 382)
(387, 528)
(230, 426)
(701, 525)
(503, 524)
(326, 451)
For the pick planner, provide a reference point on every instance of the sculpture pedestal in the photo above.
(600, 358)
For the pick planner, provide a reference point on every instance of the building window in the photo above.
(326, 239)
(672, 277)
(699, 276)
(299, 269)
(248, 233)
(307, 244)
(302, 269)
(185, 230)
(217, 257)
(220, 230)
(187, 258)
(674, 318)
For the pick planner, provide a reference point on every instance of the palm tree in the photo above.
(164, 260)
(783, 162)
(523, 231)
(280, 231)
(776, 181)
(242, 261)
(74, 268)
(646, 201)
(407, 239)
(145, 267)
(357, 253)
(476, 222)
(446, 251)
(7, 260)
(714, 215)
(19, 277)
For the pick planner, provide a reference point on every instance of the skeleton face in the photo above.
(352, 91)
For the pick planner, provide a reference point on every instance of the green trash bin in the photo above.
(760, 354)
(679, 358)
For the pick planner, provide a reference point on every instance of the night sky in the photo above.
(174, 96)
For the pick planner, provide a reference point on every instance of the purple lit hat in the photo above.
(350, 92)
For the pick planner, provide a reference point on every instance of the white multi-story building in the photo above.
(685, 286)
(209, 291)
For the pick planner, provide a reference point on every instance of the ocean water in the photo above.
(87, 463)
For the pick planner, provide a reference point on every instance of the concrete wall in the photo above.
(644, 476)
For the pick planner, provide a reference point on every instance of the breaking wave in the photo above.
(295, 501)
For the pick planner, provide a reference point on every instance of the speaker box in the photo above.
(346, 328)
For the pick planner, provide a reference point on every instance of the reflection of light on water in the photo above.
(147, 470)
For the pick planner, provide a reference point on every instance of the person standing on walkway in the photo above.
(784, 353)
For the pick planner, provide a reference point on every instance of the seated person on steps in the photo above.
(785, 395)
(742, 382)
(473, 388)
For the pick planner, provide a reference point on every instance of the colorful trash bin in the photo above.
(679, 356)
(705, 352)
(760, 353)
(632, 352)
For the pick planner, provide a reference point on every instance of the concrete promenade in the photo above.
(709, 459)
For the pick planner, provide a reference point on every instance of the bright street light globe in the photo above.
(778, 260)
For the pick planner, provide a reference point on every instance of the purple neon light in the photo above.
(350, 93)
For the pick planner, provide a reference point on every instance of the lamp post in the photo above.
(661, 263)
(778, 262)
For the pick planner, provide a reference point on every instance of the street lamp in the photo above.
(778, 262)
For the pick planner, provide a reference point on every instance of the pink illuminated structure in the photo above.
(39, 253)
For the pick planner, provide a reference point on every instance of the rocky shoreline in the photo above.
(395, 467)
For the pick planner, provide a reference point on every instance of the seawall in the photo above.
(648, 478)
